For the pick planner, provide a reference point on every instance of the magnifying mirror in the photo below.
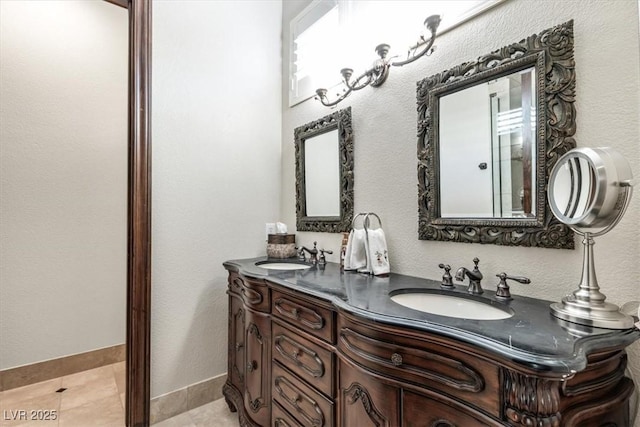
(589, 190)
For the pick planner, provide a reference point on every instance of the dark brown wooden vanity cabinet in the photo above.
(249, 350)
(304, 360)
(296, 361)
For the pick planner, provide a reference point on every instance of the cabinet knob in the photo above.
(239, 346)
(252, 366)
(396, 359)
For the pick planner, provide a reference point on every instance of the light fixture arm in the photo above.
(379, 71)
(432, 24)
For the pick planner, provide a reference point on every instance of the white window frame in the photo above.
(318, 8)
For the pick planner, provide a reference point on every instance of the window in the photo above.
(333, 34)
(313, 46)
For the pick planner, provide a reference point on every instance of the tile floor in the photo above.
(214, 414)
(93, 398)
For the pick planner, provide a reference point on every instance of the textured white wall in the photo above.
(384, 127)
(63, 178)
(216, 171)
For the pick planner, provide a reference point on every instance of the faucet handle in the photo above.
(476, 261)
(447, 280)
(301, 256)
(503, 289)
(323, 259)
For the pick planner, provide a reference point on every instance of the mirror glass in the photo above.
(573, 186)
(324, 173)
(487, 149)
(489, 132)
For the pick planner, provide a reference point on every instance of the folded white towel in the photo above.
(355, 256)
(377, 254)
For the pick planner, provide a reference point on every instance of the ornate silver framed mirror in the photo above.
(589, 190)
(489, 132)
(324, 173)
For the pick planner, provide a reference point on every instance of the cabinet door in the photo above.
(365, 401)
(422, 411)
(257, 393)
(236, 340)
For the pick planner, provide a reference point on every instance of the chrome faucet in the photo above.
(474, 278)
(313, 253)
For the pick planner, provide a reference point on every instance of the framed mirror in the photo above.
(489, 133)
(324, 173)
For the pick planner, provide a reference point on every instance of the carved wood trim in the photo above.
(249, 295)
(279, 422)
(252, 366)
(231, 394)
(318, 421)
(239, 345)
(609, 380)
(294, 355)
(597, 409)
(552, 54)
(296, 312)
(474, 382)
(340, 120)
(443, 423)
(357, 392)
(531, 401)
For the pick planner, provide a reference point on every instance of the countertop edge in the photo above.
(567, 366)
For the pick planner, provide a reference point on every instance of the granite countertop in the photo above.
(532, 336)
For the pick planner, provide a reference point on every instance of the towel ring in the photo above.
(365, 221)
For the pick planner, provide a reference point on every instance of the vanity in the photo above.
(323, 347)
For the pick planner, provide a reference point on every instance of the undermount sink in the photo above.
(452, 306)
(275, 265)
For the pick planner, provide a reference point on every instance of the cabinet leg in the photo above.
(232, 407)
(229, 393)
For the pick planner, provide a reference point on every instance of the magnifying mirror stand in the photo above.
(587, 306)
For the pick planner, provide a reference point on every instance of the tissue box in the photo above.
(281, 245)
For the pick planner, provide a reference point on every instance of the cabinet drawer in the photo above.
(281, 418)
(306, 359)
(303, 402)
(447, 369)
(317, 321)
(254, 293)
(419, 411)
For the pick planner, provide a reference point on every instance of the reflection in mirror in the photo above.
(489, 132)
(324, 173)
(573, 186)
(494, 125)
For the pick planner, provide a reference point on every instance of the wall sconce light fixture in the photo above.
(377, 74)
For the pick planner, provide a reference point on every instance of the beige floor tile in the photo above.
(182, 420)
(31, 404)
(96, 390)
(89, 376)
(214, 414)
(29, 392)
(121, 381)
(106, 412)
(119, 367)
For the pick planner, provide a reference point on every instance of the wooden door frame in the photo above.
(139, 214)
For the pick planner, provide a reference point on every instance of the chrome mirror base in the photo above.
(598, 315)
(587, 306)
